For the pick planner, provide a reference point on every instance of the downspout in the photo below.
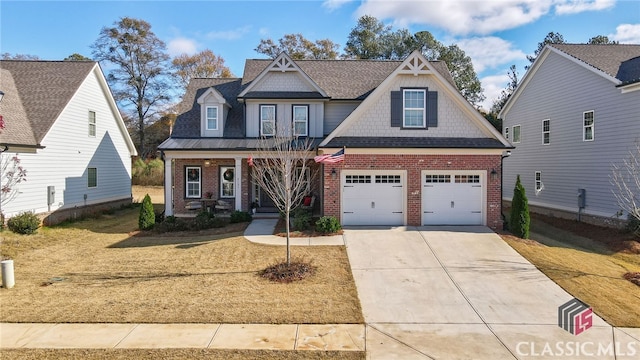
(504, 220)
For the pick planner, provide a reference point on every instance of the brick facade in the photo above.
(414, 165)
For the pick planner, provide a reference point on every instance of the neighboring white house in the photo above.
(575, 113)
(63, 123)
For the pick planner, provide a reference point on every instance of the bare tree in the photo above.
(11, 174)
(279, 167)
(625, 178)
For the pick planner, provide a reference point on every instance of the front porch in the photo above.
(197, 183)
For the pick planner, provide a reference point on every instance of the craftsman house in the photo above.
(415, 151)
(575, 114)
(63, 124)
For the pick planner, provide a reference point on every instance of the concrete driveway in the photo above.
(463, 293)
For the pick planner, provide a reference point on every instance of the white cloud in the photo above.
(626, 34)
(493, 86)
(181, 45)
(578, 6)
(490, 52)
(459, 16)
(229, 34)
(474, 16)
(334, 4)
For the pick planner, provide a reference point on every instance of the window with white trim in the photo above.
(516, 133)
(546, 131)
(429, 179)
(538, 181)
(506, 133)
(588, 123)
(227, 181)
(300, 120)
(413, 101)
(358, 179)
(92, 123)
(212, 117)
(193, 181)
(92, 177)
(267, 120)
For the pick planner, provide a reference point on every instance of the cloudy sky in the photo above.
(494, 33)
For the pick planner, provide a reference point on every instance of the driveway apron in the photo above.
(463, 293)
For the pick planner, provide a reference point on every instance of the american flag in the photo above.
(330, 158)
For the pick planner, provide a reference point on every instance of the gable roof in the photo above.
(187, 123)
(342, 79)
(45, 88)
(619, 63)
(18, 130)
(416, 64)
(610, 59)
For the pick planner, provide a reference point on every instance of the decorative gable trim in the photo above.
(282, 63)
(416, 64)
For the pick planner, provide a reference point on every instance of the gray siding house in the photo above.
(575, 113)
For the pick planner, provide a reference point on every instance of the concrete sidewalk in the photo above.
(261, 231)
(341, 337)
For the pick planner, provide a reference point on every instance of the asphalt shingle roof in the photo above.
(43, 90)
(621, 61)
(340, 79)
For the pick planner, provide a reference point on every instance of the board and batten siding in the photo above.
(69, 151)
(562, 91)
(336, 112)
(284, 115)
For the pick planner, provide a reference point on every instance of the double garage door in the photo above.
(379, 198)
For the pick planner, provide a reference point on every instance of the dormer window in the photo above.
(212, 118)
(300, 120)
(267, 120)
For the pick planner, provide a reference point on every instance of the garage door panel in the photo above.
(452, 199)
(373, 200)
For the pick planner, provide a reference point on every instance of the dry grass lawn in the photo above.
(97, 271)
(587, 269)
(177, 354)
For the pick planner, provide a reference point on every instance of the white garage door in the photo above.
(452, 199)
(372, 199)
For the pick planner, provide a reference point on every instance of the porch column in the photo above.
(168, 186)
(238, 183)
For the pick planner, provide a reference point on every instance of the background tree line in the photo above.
(145, 81)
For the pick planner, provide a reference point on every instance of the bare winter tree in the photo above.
(625, 178)
(279, 167)
(11, 174)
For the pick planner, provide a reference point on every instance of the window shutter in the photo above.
(432, 109)
(396, 109)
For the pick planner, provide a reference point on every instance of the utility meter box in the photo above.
(51, 195)
(582, 198)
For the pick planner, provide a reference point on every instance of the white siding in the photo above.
(561, 91)
(452, 120)
(69, 151)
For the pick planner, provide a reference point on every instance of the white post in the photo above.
(8, 280)
(238, 183)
